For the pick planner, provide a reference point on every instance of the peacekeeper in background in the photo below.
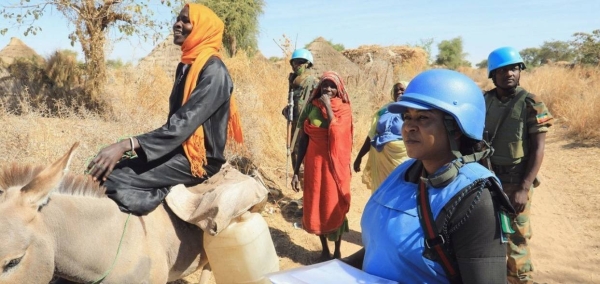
(516, 122)
(301, 83)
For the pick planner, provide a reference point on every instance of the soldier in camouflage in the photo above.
(301, 83)
(517, 122)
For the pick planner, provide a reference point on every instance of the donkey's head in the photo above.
(26, 246)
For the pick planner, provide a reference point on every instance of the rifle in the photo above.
(290, 119)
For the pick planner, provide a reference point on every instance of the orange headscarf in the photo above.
(204, 41)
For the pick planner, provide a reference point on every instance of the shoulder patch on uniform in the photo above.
(542, 117)
(542, 114)
(533, 98)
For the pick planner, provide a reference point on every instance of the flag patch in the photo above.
(542, 117)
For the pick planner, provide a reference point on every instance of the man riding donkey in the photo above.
(189, 148)
(517, 122)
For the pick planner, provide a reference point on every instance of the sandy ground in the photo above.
(566, 210)
(565, 244)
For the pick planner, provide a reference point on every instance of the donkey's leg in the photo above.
(205, 275)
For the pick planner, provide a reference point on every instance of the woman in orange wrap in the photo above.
(202, 118)
(325, 146)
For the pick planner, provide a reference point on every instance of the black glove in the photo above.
(291, 78)
(285, 111)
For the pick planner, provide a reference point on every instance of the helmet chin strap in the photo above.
(447, 173)
(451, 131)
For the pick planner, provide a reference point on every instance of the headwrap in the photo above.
(327, 163)
(339, 83)
(204, 41)
(404, 83)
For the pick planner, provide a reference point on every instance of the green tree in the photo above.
(553, 51)
(451, 55)
(241, 22)
(587, 47)
(91, 21)
(483, 64)
(549, 51)
(531, 56)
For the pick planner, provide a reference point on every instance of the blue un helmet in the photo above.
(451, 92)
(303, 53)
(504, 56)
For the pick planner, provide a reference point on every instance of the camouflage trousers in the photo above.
(294, 154)
(294, 148)
(519, 265)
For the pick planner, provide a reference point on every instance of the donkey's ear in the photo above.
(37, 191)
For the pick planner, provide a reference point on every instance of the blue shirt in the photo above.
(391, 230)
(388, 128)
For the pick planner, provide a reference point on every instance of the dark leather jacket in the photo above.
(208, 106)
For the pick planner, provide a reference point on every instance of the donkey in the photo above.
(56, 223)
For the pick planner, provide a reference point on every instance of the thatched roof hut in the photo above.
(366, 54)
(17, 49)
(388, 64)
(326, 58)
(165, 55)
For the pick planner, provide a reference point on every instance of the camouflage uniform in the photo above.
(527, 115)
(302, 87)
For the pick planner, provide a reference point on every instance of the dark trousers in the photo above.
(138, 187)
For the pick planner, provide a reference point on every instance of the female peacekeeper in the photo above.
(435, 219)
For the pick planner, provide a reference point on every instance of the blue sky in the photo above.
(483, 25)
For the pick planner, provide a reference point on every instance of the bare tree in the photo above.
(92, 20)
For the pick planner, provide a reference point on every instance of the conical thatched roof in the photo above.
(326, 58)
(366, 54)
(17, 49)
(165, 55)
(388, 64)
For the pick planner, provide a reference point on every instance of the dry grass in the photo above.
(571, 94)
(139, 102)
(261, 93)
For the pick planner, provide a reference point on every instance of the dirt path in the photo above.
(565, 218)
(566, 210)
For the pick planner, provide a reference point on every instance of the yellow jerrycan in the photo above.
(243, 252)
